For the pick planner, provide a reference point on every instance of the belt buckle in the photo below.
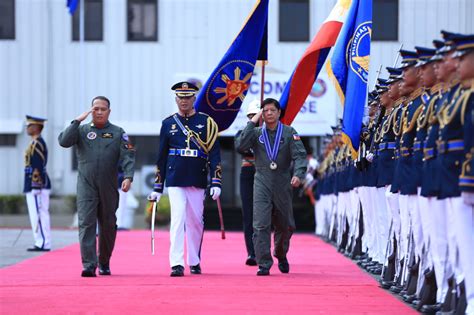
(190, 152)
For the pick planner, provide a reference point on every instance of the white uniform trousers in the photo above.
(187, 206)
(38, 209)
(320, 214)
(373, 198)
(428, 226)
(439, 245)
(353, 215)
(368, 219)
(125, 210)
(383, 223)
(463, 229)
(404, 225)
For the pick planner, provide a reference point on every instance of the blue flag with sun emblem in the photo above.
(223, 93)
(349, 69)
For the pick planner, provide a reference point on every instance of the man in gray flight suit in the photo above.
(275, 146)
(100, 146)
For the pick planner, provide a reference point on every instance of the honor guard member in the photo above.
(188, 150)
(100, 146)
(464, 213)
(247, 174)
(37, 185)
(275, 146)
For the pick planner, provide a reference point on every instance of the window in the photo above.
(142, 20)
(385, 20)
(93, 21)
(7, 140)
(7, 19)
(294, 21)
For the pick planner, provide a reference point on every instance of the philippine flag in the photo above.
(303, 77)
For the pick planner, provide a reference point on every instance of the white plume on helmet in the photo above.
(253, 107)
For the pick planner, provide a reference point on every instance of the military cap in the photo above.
(424, 55)
(448, 42)
(463, 44)
(395, 74)
(439, 44)
(409, 58)
(185, 89)
(31, 120)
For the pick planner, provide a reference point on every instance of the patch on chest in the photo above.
(107, 135)
(91, 135)
(200, 126)
(260, 139)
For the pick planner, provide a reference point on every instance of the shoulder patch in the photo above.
(125, 137)
(296, 136)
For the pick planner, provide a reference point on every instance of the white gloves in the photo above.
(154, 196)
(36, 192)
(309, 178)
(370, 157)
(215, 192)
(468, 198)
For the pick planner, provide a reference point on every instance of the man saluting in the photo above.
(275, 146)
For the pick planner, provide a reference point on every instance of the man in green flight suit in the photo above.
(275, 146)
(100, 146)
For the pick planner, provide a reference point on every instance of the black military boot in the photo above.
(263, 271)
(196, 270)
(283, 265)
(104, 270)
(177, 271)
(88, 273)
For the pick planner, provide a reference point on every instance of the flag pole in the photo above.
(262, 83)
(82, 57)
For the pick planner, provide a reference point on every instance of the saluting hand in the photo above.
(295, 181)
(126, 184)
(256, 118)
(84, 115)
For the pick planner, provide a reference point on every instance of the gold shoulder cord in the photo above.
(446, 116)
(407, 127)
(465, 97)
(212, 131)
(398, 131)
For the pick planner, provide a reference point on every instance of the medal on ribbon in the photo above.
(272, 152)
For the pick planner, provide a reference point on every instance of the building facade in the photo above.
(134, 50)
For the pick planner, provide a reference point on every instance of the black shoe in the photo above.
(104, 270)
(262, 271)
(38, 249)
(430, 308)
(283, 265)
(251, 261)
(177, 271)
(196, 270)
(88, 273)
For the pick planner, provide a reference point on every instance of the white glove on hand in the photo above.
(309, 178)
(468, 198)
(154, 196)
(215, 192)
(36, 192)
(370, 157)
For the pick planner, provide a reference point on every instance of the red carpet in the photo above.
(320, 281)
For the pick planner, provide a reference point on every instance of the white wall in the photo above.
(40, 69)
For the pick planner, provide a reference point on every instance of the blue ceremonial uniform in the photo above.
(466, 179)
(430, 184)
(409, 174)
(37, 185)
(36, 157)
(183, 162)
(385, 150)
(450, 146)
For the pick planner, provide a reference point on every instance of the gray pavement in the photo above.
(16, 235)
(15, 241)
